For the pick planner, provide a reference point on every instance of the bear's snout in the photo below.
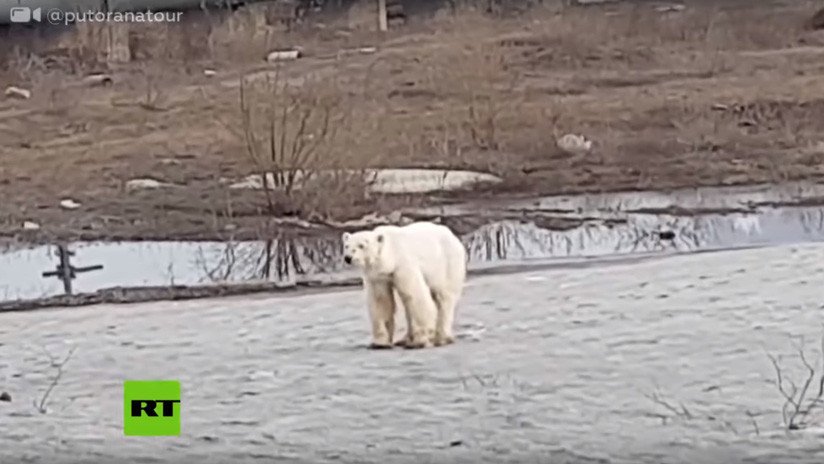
(347, 259)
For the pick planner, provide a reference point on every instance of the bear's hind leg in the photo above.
(381, 313)
(446, 303)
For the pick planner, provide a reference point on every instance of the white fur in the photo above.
(425, 265)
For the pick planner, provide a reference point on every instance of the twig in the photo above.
(41, 408)
(681, 411)
(656, 398)
(752, 416)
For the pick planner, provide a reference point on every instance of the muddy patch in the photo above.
(523, 232)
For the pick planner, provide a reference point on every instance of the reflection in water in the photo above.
(643, 227)
(282, 259)
(706, 199)
(141, 264)
(646, 233)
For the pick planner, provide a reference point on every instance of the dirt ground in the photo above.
(714, 94)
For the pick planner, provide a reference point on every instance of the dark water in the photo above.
(548, 229)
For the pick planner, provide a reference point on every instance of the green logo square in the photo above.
(151, 408)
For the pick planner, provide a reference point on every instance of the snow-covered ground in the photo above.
(551, 366)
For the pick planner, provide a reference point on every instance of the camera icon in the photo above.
(24, 14)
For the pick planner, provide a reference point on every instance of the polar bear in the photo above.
(425, 265)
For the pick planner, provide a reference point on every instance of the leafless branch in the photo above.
(798, 404)
(752, 417)
(680, 410)
(41, 406)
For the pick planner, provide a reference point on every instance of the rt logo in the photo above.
(151, 408)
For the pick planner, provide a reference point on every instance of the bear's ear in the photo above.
(345, 236)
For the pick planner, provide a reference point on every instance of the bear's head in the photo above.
(363, 248)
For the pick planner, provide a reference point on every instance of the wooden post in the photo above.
(382, 26)
(64, 268)
(65, 271)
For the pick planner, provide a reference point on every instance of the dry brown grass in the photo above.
(709, 95)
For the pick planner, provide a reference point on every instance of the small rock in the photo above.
(17, 92)
(209, 72)
(283, 55)
(146, 183)
(29, 225)
(230, 227)
(69, 204)
(666, 235)
(95, 80)
(574, 144)
(367, 50)
(455, 443)
(5, 396)
(171, 162)
(669, 8)
(720, 107)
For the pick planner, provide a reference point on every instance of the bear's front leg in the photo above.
(421, 312)
(381, 313)
(408, 336)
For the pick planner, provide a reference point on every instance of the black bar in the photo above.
(96, 267)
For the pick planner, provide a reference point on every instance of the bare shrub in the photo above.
(88, 51)
(336, 193)
(297, 135)
(154, 82)
(286, 131)
(243, 35)
(173, 44)
(488, 96)
(447, 142)
(800, 400)
(476, 76)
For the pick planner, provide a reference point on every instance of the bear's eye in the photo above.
(360, 246)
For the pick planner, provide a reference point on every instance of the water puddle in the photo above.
(498, 233)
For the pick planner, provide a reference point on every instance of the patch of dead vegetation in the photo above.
(708, 95)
